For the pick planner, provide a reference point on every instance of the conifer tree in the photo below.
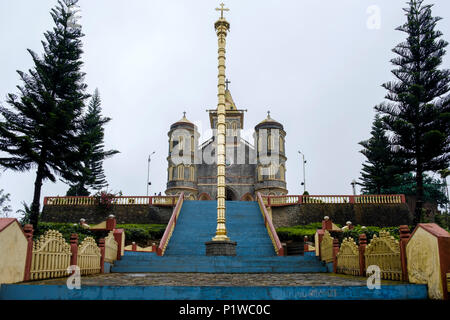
(378, 173)
(41, 128)
(417, 112)
(92, 150)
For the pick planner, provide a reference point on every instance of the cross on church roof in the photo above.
(227, 82)
(268, 114)
(222, 9)
(184, 114)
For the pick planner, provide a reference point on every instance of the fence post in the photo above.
(362, 249)
(101, 244)
(320, 234)
(133, 246)
(74, 250)
(28, 230)
(404, 238)
(327, 224)
(403, 198)
(118, 234)
(111, 222)
(305, 244)
(335, 252)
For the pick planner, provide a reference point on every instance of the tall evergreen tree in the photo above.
(41, 129)
(418, 109)
(378, 173)
(92, 150)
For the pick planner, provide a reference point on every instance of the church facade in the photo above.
(192, 168)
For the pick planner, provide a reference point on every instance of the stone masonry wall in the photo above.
(381, 215)
(138, 214)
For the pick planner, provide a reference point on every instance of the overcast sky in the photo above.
(316, 65)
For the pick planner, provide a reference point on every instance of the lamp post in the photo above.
(353, 183)
(148, 170)
(304, 178)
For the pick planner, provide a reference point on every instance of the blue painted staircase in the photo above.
(197, 224)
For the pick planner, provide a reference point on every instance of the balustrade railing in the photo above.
(170, 226)
(286, 200)
(270, 228)
(120, 200)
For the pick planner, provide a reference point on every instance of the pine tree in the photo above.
(41, 129)
(378, 173)
(418, 109)
(92, 150)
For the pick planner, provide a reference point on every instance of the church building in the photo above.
(192, 167)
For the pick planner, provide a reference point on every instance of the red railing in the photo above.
(170, 226)
(121, 200)
(278, 201)
(270, 228)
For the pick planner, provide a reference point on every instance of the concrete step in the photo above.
(219, 269)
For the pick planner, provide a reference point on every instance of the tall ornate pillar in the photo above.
(221, 244)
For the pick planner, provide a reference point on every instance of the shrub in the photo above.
(66, 229)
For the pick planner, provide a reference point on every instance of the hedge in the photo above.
(142, 234)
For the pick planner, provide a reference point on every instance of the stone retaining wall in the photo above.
(138, 214)
(381, 215)
(370, 215)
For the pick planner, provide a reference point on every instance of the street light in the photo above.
(354, 183)
(304, 178)
(148, 170)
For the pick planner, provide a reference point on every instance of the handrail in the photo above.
(286, 200)
(170, 227)
(270, 228)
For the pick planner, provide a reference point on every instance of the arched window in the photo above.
(281, 144)
(272, 171)
(234, 126)
(192, 144)
(180, 172)
(282, 173)
(181, 143)
(192, 173)
(259, 143)
(170, 173)
(228, 129)
(270, 142)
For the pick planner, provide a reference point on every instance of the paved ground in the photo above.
(210, 279)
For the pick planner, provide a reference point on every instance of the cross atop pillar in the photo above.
(222, 9)
(227, 82)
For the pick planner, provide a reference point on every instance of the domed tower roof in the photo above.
(183, 122)
(269, 123)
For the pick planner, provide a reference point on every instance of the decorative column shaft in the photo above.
(222, 27)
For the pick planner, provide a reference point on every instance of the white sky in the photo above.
(315, 64)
